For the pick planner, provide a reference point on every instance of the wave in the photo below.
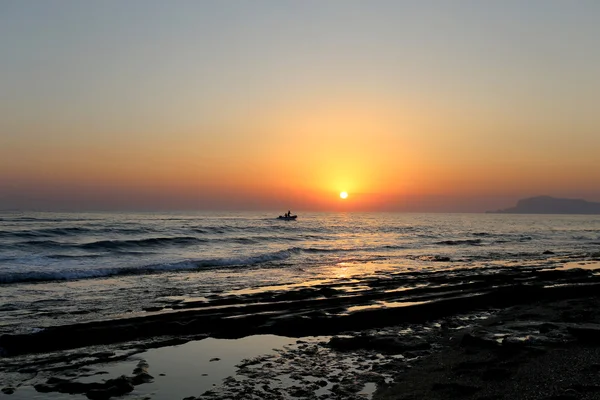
(513, 239)
(433, 258)
(74, 256)
(71, 231)
(471, 242)
(137, 243)
(63, 231)
(189, 265)
(25, 235)
(44, 243)
(35, 219)
(114, 245)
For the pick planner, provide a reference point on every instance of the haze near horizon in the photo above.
(406, 106)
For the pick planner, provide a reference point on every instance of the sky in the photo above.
(461, 106)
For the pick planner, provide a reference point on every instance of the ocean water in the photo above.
(58, 268)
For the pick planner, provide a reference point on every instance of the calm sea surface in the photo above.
(61, 268)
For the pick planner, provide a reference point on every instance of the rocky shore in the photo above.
(323, 309)
(547, 350)
(499, 333)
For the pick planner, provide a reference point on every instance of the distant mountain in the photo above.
(552, 205)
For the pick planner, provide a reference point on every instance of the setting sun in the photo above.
(343, 195)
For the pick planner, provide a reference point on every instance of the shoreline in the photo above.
(324, 309)
(391, 337)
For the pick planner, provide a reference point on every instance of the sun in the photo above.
(343, 195)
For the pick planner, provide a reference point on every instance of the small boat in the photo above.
(290, 218)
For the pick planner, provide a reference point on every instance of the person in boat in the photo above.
(289, 214)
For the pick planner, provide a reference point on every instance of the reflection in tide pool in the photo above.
(179, 371)
(192, 368)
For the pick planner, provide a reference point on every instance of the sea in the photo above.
(62, 268)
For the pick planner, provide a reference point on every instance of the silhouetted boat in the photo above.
(290, 218)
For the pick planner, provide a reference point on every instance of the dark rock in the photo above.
(296, 391)
(455, 389)
(594, 368)
(103, 354)
(547, 327)
(548, 252)
(563, 396)
(154, 308)
(140, 378)
(495, 374)
(588, 335)
(469, 340)
(93, 390)
(140, 369)
(113, 388)
(328, 292)
(8, 390)
(384, 344)
(215, 359)
(43, 388)
(584, 389)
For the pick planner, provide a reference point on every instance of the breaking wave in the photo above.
(188, 265)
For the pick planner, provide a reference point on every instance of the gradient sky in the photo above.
(408, 106)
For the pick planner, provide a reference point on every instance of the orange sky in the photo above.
(277, 107)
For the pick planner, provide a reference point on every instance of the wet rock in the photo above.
(93, 390)
(174, 341)
(384, 344)
(548, 252)
(141, 367)
(469, 340)
(112, 388)
(215, 359)
(588, 335)
(328, 292)
(153, 308)
(8, 390)
(415, 354)
(43, 388)
(141, 378)
(103, 354)
(548, 327)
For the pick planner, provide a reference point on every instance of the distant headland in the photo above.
(551, 205)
